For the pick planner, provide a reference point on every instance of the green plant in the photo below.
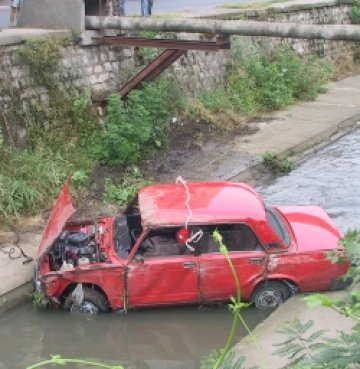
(259, 82)
(224, 358)
(57, 360)
(308, 352)
(124, 192)
(355, 12)
(80, 178)
(276, 165)
(42, 57)
(147, 53)
(39, 300)
(137, 127)
(299, 346)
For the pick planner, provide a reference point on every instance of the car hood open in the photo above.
(313, 228)
(60, 214)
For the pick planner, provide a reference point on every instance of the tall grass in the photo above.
(260, 83)
(29, 181)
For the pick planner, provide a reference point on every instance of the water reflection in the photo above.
(156, 338)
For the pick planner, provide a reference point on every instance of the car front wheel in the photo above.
(270, 295)
(93, 302)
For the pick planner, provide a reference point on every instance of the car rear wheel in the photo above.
(93, 302)
(270, 295)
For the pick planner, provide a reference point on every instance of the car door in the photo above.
(247, 256)
(163, 275)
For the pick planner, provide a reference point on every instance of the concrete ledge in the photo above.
(267, 335)
(14, 36)
(53, 14)
(16, 297)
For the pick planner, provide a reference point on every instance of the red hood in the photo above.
(60, 214)
(313, 228)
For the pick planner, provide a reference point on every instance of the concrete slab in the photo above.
(13, 36)
(267, 335)
(53, 14)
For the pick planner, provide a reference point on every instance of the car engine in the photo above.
(72, 249)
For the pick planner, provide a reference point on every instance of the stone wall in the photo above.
(104, 69)
(319, 12)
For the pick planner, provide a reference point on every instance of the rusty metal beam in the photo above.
(222, 42)
(152, 70)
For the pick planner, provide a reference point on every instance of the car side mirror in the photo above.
(139, 259)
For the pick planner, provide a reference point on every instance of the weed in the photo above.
(42, 57)
(355, 12)
(147, 53)
(39, 300)
(276, 165)
(258, 82)
(124, 192)
(57, 360)
(137, 127)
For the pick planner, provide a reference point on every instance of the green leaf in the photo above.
(319, 300)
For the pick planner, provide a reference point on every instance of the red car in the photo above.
(160, 251)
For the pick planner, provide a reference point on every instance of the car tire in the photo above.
(93, 303)
(271, 294)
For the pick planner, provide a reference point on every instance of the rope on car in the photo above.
(196, 237)
(187, 200)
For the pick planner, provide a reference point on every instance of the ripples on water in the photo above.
(331, 180)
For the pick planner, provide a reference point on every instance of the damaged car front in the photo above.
(77, 264)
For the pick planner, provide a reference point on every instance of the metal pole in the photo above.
(245, 28)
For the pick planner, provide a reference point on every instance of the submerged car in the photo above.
(161, 250)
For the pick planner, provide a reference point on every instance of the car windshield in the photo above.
(277, 225)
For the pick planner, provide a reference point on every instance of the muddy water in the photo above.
(330, 179)
(175, 338)
(171, 338)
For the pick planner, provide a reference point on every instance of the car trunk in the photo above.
(312, 227)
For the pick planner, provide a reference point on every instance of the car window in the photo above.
(162, 242)
(277, 225)
(236, 237)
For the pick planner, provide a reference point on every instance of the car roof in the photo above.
(209, 202)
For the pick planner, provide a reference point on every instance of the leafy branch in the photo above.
(58, 360)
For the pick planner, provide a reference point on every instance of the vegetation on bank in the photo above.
(355, 12)
(66, 137)
(259, 82)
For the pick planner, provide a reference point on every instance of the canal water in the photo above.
(330, 179)
(178, 338)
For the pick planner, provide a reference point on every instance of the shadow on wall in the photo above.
(95, 7)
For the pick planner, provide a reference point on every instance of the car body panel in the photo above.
(165, 204)
(217, 281)
(131, 278)
(163, 281)
(60, 214)
(312, 227)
